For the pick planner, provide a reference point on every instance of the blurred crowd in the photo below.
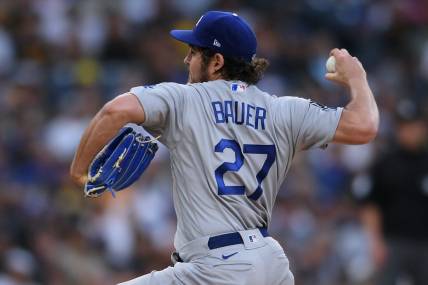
(61, 60)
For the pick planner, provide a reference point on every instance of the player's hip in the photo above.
(249, 258)
(238, 265)
(253, 258)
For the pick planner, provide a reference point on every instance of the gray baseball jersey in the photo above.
(231, 146)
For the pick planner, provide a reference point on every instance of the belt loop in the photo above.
(175, 257)
(264, 232)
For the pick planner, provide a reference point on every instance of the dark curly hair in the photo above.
(236, 68)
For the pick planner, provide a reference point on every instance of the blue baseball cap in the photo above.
(223, 32)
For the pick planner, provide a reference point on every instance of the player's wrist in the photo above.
(357, 81)
(83, 179)
(80, 180)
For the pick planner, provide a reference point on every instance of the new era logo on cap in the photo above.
(216, 43)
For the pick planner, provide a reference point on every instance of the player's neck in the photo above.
(215, 76)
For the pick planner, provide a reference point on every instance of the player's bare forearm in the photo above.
(360, 118)
(103, 127)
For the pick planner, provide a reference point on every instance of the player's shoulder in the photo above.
(163, 87)
(222, 84)
(235, 87)
(289, 102)
(291, 99)
(208, 85)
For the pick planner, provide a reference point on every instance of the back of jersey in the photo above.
(231, 146)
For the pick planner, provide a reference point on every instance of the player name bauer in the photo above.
(239, 113)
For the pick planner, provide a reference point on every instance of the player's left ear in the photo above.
(217, 62)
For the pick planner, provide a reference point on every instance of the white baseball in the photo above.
(330, 65)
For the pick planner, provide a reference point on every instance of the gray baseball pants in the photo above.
(258, 261)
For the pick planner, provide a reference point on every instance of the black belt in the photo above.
(221, 241)
(230, 239)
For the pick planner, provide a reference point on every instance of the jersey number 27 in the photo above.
(270, 152)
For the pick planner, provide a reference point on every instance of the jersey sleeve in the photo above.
(163, 106)
(309, 124)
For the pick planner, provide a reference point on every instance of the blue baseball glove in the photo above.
(120, 163)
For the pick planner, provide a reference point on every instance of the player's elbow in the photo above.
(371, 127)
(355, 128)
(356, 136)
(115, 111)
(124, 109)
(366, 130)
(368, 133)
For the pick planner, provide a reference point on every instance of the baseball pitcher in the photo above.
(231, 146)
